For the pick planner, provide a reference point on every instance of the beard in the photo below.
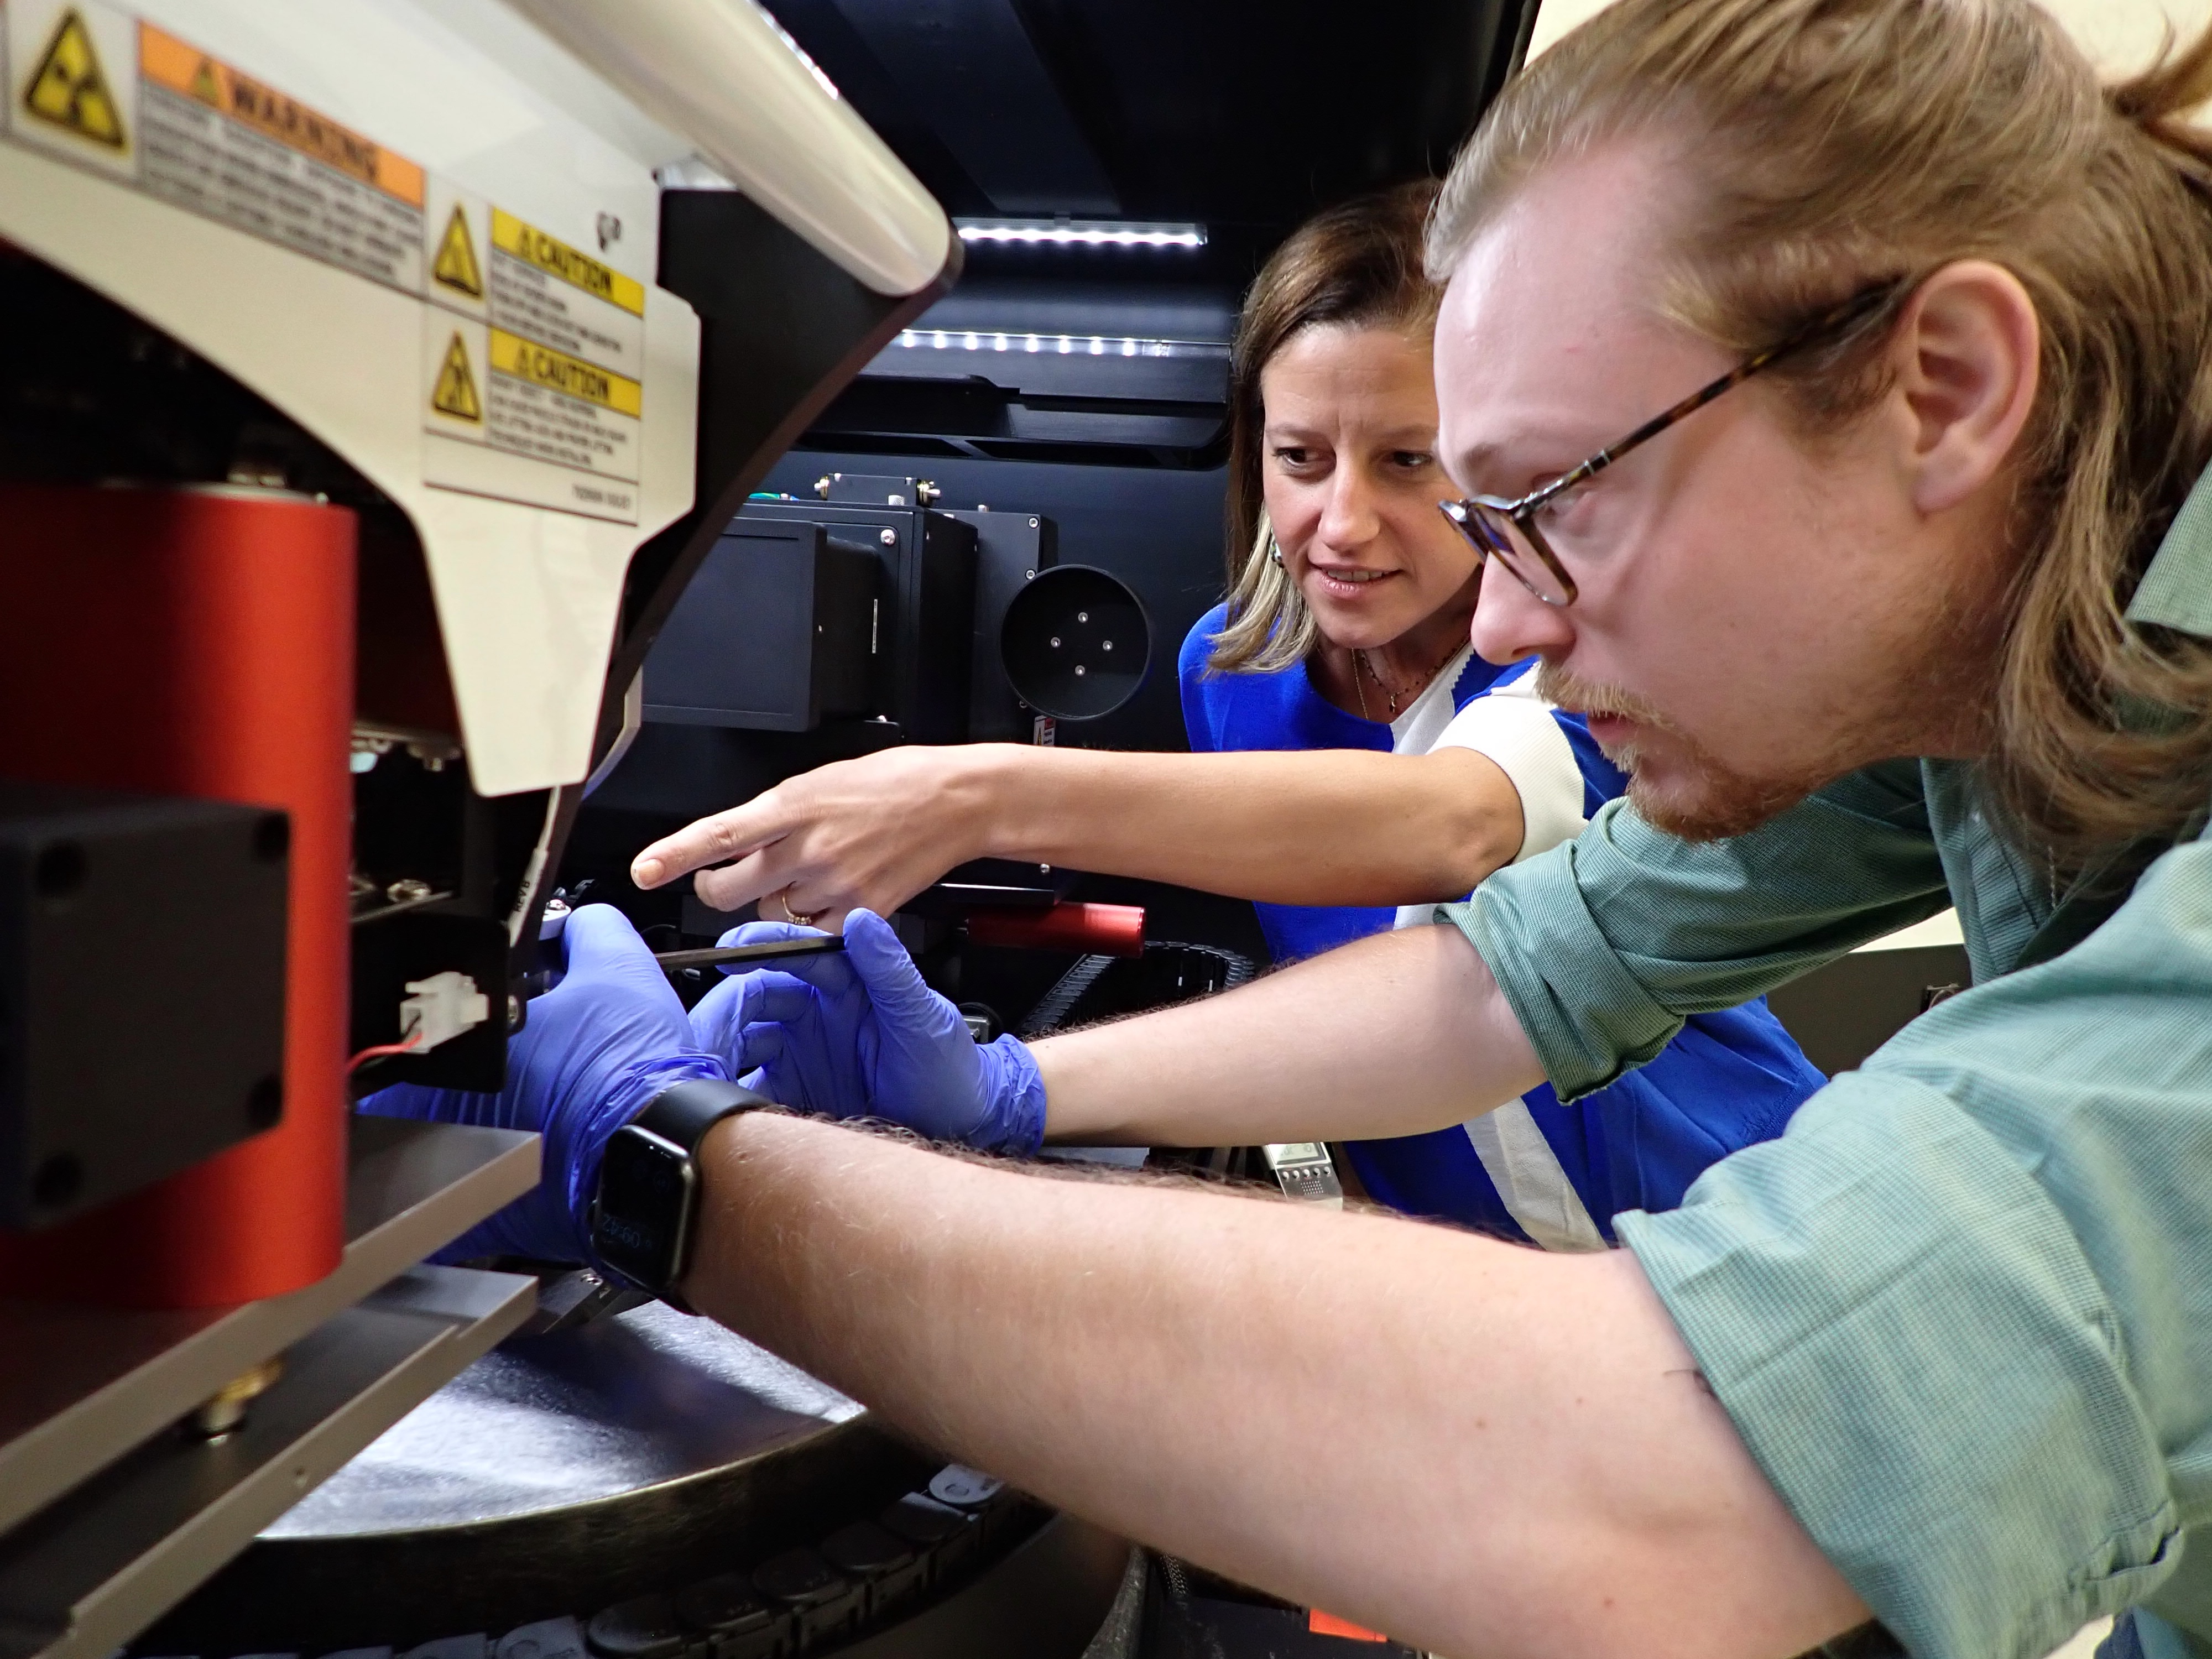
(1706, 799)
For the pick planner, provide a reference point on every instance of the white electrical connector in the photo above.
(438, 1009)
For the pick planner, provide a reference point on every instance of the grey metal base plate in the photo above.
(108, 1514)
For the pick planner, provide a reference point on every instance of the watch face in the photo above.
(644, 1210)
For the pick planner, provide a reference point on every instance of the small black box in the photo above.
(1011, 548)
(925, 637)
(142, 990)
(778, 629)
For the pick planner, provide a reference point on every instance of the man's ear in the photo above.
(1968, 364)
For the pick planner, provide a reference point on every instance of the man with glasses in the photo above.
(1915, 615)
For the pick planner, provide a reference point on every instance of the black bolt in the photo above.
(56, 1180)
(264, 1103)
(60, 870)
(272, 838)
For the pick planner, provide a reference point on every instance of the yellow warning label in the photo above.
(557, 258)
(455, 393)
(456, 265)
(69, 89)
(557, 371)
(204, 86)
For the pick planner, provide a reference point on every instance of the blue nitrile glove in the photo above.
(598, 1047)
(858, 1034)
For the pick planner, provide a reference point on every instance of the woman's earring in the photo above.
(1275, 551)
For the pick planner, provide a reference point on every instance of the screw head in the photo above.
(264, 1103)
(59, 1178)
(888, 536)
(62, 868)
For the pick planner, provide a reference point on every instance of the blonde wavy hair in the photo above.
(1357, 265)
(1825, 144)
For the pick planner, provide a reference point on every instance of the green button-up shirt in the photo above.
(1961, 1312)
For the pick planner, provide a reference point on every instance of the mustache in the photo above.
(1578, 695)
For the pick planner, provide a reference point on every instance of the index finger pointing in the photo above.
(711, 840)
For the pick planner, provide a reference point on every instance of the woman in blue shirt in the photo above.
(1345, 634)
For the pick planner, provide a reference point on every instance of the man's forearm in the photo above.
(1477, 1448)
(1319, 827)
(1389, 1036)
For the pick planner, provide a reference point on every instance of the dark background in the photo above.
(1241, 119)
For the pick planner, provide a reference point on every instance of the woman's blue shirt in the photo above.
(1728, 1080)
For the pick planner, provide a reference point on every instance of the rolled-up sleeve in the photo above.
(1521, 732)
(1961, 1311)
(1604, 944)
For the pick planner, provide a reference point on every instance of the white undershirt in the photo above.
(1513, 728)
(1425, 718)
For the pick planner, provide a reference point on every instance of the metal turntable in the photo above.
(649, 1485)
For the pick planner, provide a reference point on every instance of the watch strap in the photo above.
(683, 1115)
(680, 1117)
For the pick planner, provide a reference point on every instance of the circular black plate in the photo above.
(1075, 642)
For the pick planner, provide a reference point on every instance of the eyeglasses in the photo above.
(1506, 529)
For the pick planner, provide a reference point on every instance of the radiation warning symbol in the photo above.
(69, 90)
(456, 264)
(455, 394)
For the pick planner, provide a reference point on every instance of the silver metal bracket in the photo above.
(112, 1510)
(1303, 1169)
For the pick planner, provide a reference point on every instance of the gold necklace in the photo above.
(1411, 690)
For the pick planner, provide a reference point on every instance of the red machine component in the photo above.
(198, 641)
(1104, 930)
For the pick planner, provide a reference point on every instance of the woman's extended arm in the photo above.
(1320, 827)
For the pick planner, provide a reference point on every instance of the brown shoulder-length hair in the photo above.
(1831, 143)
(1358, 265)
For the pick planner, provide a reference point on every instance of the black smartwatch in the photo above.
(645, 1215)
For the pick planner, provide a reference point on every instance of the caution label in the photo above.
(223, 144)
(545, 290)
(453, 393)
(516, 418)
(557, 258)
(552, 341)
(455, 266)
(526, 360)
(533, 354)
(69, 89)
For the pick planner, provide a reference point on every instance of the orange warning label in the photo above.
(168, 61)
(225, 144)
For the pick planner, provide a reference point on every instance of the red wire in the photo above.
(379, 1051)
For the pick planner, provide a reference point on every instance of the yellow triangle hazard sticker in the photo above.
(68, 88)
(456, 264)
(455, 394)
(205, 87)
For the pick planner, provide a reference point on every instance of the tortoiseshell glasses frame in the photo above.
(1506, 529)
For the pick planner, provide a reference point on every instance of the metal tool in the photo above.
(766, 950)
